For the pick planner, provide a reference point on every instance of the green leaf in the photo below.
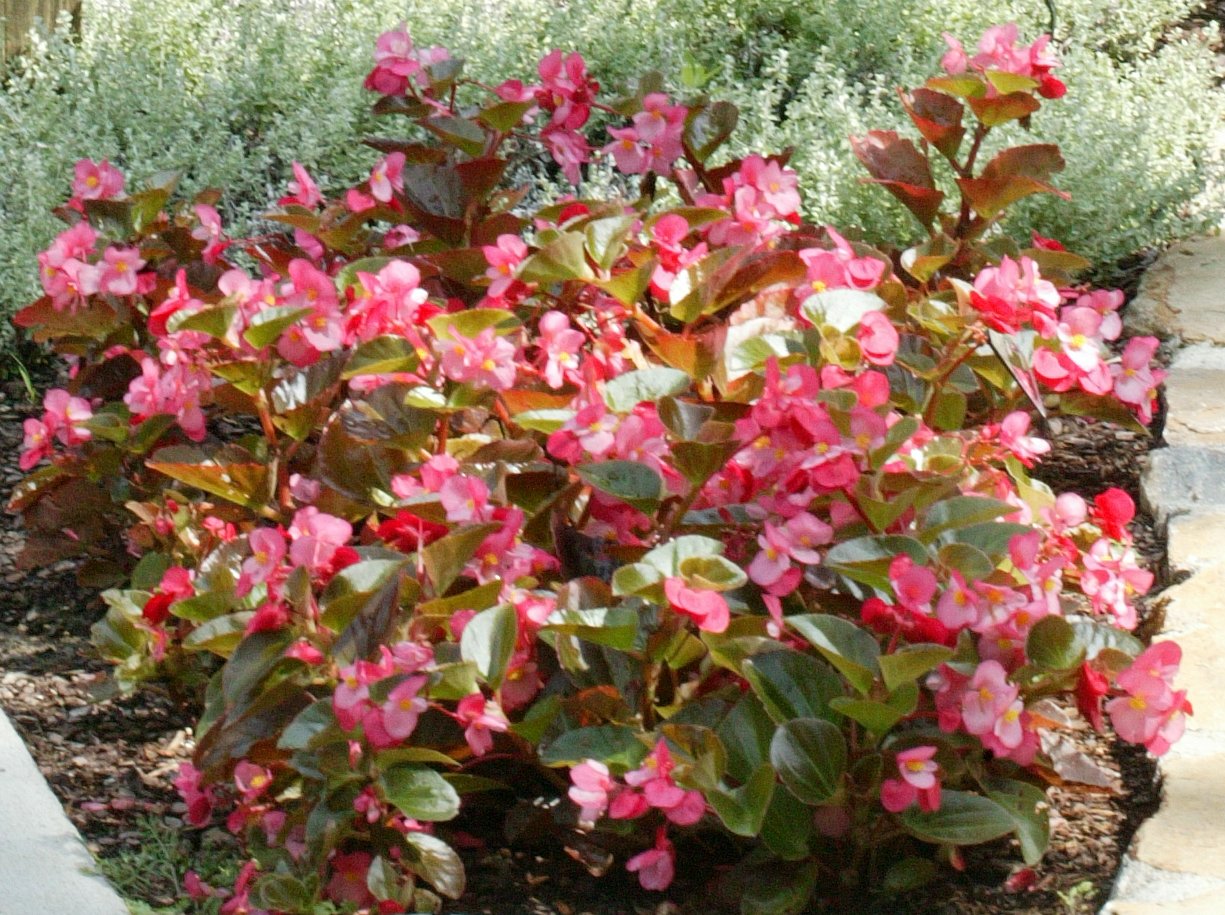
(380, 356)
(909, 874)
(992, 537)
(611, 744)
(635, 578)
(810, 757)
(867, 559)
(963, 819)
(446, 557)
(877, 717)
(489, 641)
(268, 324)
(459, 132)
(564, 258)
(419, 793)
(853, 651)
(743, 809)
(214, 321)
(708, 127)
(908, 663)
(787, 826)
(712, 573)
(668, 557)
(792, 685)
(436, 862)
(1098, 637)
(1027, 805)
(605, 239)
(547, 421)
(352, 587)
(504, 116)
(1052, 644)
(970, 561)
(631, 482)
(309, 723)
(841, 309)
(961, 511)
(616, 627)
(625, 392)
(221, 635)
(472, 321)
(745, 733)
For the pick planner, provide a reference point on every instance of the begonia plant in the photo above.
(717, 521)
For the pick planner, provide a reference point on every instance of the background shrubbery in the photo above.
(230, 92)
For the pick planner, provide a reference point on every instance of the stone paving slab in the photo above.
(1195, 541)
(45, 868)
(1194, 397)
(1183, 294)
(1183, 479)
(1176, 863)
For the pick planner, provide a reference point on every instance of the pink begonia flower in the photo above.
(918, 782)
(568, 149)
(878, 338)
(1152, 713)
(913, 585)
(480, 718)
(198, 798)
(386, 177)
(315, 537)
(305, 652)
(503, 258)
(464, 497)
(656, 866)
(1012, 294)
(1135, 381)
(484, 361)
(65, 417)
(958, 605)
(1106, 302)
(403, 707)
(303, 191)
(397, 63)
(954, 62)
(175, 391)
(119, 270)
(399, 236)
(251, 780)
(654, 778)
(630, 156)
(560, 344)
(706, 608)
(1014, 436)
(987, 697)
(592, 785)
(35, 445)
(269, 617)
(566, 90)
(267, 550)
(96, 180)
(840, 267)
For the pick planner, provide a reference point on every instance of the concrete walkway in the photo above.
(1176, 863)
(45, 868)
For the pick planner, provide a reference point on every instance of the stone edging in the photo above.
(1176, 863)
(45, 868)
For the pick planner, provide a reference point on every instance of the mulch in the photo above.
(110, 758)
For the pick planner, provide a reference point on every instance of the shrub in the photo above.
(724, 514)
(220, 91)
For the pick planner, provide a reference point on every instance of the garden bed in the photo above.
(111, 759)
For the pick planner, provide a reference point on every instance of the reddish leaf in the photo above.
(938, 118)
(1004, 108)
(896, 163)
